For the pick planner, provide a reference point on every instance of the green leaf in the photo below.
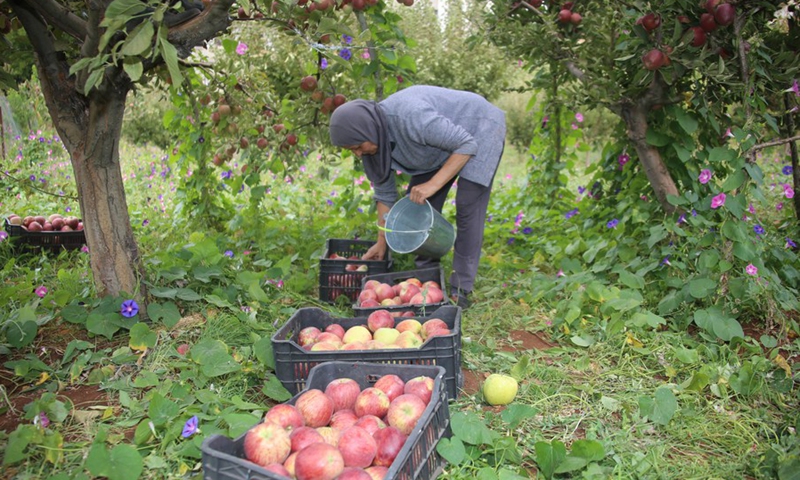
(21, 334)
(239, 423)
(768, 341)
(686, 121)
(452, 450)
(549, 456)
(18, 441)
(125, 463)
(631, 280)
(74, 314)
(571, 463)
(515, 413)
(734, 181)
(583, 340)
(139, 40)
(124, 8)
(134, 70)
(721, 155)
(188, 294)
(789, 469)
(687, 355)
(274, 389)
(591, 450)
(744, 251)
(162, 410)
(99, 324)
(73, 348)
(142, 337)
(163, 292)
(167, 313)
(170, 54)
(697, 382)
(657, 139)
(142, 434)
(214, 358)
(727, 328)
(471, 429)
(257, 293)
(264, 353)
(702, 287)
(647, 318)
(664, 406)
(95, 78)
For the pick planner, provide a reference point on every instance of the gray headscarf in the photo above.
(359, 121)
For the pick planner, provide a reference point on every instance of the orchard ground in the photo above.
(92, 388)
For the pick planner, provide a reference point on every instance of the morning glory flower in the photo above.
(3, 235)
(33, 178)
(228, 253)
(323, 64)
(545, 120)
(790, 243)
(226, 175)
(347, 39)
(751, 269)
(788, 191)
(129, 308)
(705, 176)
(612, 223)
(242, 48)
(579, 117)
(581, 190)
(787, 170)
(190, 428)
(560, 272)
(527, 230)
(682, 218)
(718, 201)
(758, 229)
(666, 261)
(345, 53)
(795, 88)
(41, 291)
(623, 159)
(84, 249)
(571, 213)
(43, 420)
(510, 241)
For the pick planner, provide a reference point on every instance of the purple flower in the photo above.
(42, 420)
(129, 308)
(3, 235)
(571, 213)
(788, 191)
(545, 120)
(787, 170)
(623, 159)
(560, 272)
(579, 117)
(581, 190)
(330, 202)
(751, 209)
(790, 243)
(795, 88)
(242, 48)
(323, 64)
(190, 428)
(510, 241)
(682, 218)
(347, 39)
(41, 291)
(145, 222)
(345, 53)
(705, 176)
(751, 269)
(612, 223)
(527, 230)
(694, 212)
(779, 206)
(758, 229)
(33, 178)
(718, 201)
(85, 249)
(228, 253)
(666, 261)
(226, 175)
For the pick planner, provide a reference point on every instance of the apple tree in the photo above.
(679, 74)
(90, 55)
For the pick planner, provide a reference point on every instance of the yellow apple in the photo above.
(499, 389)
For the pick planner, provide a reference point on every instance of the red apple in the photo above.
(698, 37)
(564, 16)
(289, 463)
(354, 346)
(651, 21)
(343, 419)
(421, 386)
(384, 291)
(390, 441)
(285, 415)
(357, 447)
(380, 319)
(408, 339)
(330, 337)
(654, 59)
(335, 329)
(408, 291)
(267, 443)
(308, 336)
(371, 284)
(369, 303)
(432, 324)
(377, 473)
(308, 83)
(367, 295)
(409, 324)
(354, 473)
(438, 332)
(725, 14)
(575, 18)
(315, 406)
(430, 283)
(391, 385)
(404, 412)
(330, 434)
(318, 461)
(343, 392)
(371, 401)
(303, 437)
(278, 469)
(325, 346)
(370, 423)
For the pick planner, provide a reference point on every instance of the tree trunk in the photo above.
(635, 117)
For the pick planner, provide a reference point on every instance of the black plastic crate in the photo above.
(293, 363)
(335, 279)
(424, 274)
(45, 240)
(223, 457)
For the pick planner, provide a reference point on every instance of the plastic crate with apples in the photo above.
(352, 418)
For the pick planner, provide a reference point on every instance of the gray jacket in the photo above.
(428, 124)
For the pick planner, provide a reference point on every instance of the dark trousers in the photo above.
(472, 201)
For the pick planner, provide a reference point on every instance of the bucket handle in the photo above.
(384, 229)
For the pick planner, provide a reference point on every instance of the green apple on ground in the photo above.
(499, 389)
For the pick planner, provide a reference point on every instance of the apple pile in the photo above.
(54, 223)
(380, 332)
(343, 432)
(411, 291)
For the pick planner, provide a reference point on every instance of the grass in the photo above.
(575, 393)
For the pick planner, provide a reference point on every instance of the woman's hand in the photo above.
(422, 192)
(375, 252)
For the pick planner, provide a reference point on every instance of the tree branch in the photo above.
(774, 143)
(61, 17)
(211, 22)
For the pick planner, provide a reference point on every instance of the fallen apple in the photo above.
(499, 389)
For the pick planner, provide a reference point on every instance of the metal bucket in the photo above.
(418, 229)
